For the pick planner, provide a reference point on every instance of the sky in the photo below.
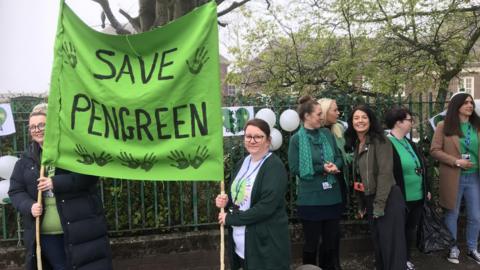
(26, 50)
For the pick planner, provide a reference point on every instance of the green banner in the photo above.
(143, 106)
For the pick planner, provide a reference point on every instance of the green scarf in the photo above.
(305, 155)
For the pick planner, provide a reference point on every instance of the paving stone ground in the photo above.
(351, 260)
(356, 255)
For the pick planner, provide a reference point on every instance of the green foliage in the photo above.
(381, 46)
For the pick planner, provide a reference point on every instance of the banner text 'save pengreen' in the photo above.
(143, 106)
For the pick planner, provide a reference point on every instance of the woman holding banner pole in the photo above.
(256, 218)
(72, 223)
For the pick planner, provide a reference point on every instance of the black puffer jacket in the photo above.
(80, 209)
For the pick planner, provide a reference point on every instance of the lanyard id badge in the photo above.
(326, 185)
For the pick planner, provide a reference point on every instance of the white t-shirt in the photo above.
(241, 191)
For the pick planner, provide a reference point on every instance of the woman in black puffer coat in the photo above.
(73, 226)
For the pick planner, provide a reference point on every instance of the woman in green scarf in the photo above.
(315, 159)
(330, 114)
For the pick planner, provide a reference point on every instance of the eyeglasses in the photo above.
(256, 138)
(39, 127)
(409, 119)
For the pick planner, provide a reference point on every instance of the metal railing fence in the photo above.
(146, 207)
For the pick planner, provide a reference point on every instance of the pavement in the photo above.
(209, 260)
(356, 254)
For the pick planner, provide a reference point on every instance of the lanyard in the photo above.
(468, 138)
(242, 178)
(409, 149)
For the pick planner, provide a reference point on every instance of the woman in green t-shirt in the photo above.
(73, 229)
(409, 170)
(455, 144)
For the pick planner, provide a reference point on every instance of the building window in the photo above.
(466, 85)
(231, 91)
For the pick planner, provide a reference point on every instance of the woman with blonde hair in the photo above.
(328, 120)
(73, 229)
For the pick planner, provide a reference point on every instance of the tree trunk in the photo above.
(182, 7)
(146, 13)
(442, 94)
(163, 11)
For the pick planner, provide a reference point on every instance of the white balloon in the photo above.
(4, 185)
(6, 166)
(289, 120)
(277, 139)
(477, 106)
(267, 115)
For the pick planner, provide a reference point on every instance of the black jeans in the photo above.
(328, 252)
(414, 213)
(240, 261)
(388, 232)
(53, 250)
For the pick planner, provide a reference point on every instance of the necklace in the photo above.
(244, 176)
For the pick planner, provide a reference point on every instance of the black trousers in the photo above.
(388, 232)
(414, 213)
(328, 251)
(241, 262)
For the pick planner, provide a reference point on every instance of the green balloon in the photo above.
(228, 121)
(242, 115)
(3, 116)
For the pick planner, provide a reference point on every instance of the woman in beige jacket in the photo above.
(456, 145)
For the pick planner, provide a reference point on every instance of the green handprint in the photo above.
(238, 191)
(200, 156)
(87, 158)
(241, 115)
(70, 53)
(195, 66)
(180, 158)
(148, 161)
(102, 159)
(228, 121)
(128, 160)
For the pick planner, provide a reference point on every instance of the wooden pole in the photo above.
(222, 232)
(37, 225)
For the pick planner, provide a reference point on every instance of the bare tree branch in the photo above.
(113, 21)
(135, 22)
(419, 14)
(233, 6)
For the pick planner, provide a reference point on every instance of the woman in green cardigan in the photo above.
(257, 218)
(313, 156)
(329, 117)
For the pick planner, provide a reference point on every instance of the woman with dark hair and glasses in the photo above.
(257, 219)
(313, 156)
(409, 170)
(379, 198)
(455, 144)
(73, 229)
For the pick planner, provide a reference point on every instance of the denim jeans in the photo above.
(469, 188)
(53, 250)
